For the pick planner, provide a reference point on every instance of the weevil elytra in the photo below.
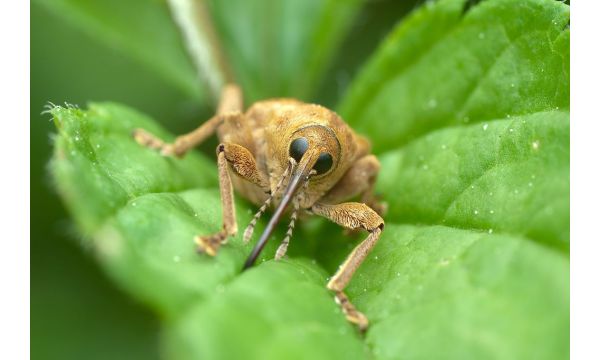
(284, 151)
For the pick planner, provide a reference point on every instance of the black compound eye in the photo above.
(298, 147)
(323, 163)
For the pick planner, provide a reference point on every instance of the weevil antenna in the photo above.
(250, 228)
(281, 250)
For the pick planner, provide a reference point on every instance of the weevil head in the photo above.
(318, 143)
(316, 150)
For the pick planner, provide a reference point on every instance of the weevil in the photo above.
(283, 152)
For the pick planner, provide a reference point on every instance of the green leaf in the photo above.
(512, 175)
(141, 209)
(281, 48)
(441, 68)
(469, 113)
(141, 29)
(94, 150)
(275, 311)
(472, 119)
(437, 292)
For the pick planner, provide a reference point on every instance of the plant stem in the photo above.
(202, 42)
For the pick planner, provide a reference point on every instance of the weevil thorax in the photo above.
(314, 138)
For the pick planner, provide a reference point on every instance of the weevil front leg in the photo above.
(352, 216)
(241, 161)
(230, 107)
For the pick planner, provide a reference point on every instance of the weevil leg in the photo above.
(230, 107)
(352, 216)
(241, 161)
(358, 180)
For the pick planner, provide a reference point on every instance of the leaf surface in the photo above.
(470, 113)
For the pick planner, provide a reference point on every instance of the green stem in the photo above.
(202, 42)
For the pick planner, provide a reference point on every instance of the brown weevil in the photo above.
(287, 152)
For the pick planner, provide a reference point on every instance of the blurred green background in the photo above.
(75, 311)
